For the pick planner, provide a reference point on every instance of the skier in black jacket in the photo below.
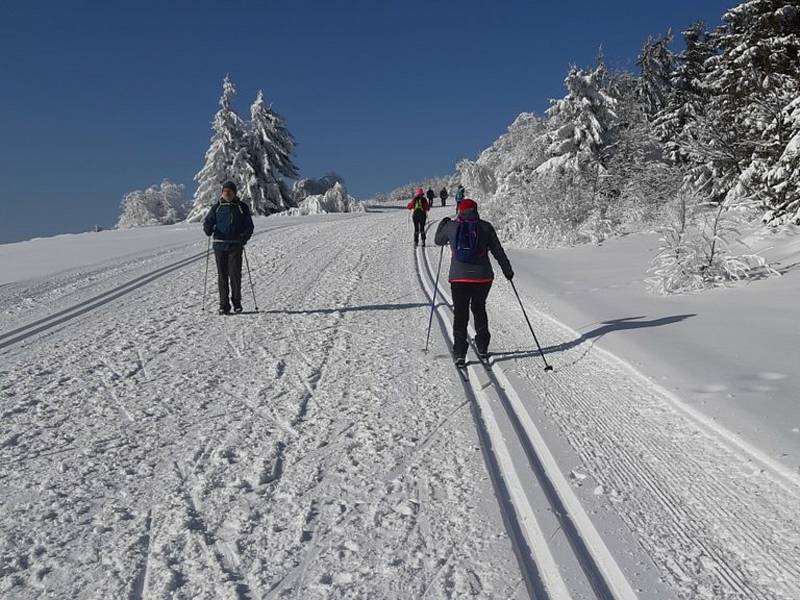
(231, 224)
(471, 239)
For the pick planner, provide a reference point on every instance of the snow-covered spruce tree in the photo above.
(227, 157)
(157, 205)
(751, 79)
(638, 181)
(762, 38)
(582, 123)
(781, 180)
(271, 149)
(686, 100)
(581, 129)
(656, 64)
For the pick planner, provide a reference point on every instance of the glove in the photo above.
(446, 220)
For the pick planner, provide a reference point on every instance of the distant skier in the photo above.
(420, 205)
(430, 194)
(459, 195)
(443, 195)
(471, 275)
(231, 224)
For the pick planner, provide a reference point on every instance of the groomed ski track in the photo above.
(490, 389)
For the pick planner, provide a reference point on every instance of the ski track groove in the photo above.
(140, 580)
(601, 582)
(19, 334)
(712, 501)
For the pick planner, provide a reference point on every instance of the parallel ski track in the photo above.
(24, 332)
(539, 568)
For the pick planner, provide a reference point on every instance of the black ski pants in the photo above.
(229, 272)
(466, 295)
(420, 217)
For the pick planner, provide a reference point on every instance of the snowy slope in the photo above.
(730, 352)
(312, 450)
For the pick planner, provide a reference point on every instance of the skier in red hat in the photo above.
(471, 275)
(420, 205)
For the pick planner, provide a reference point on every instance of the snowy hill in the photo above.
(313, 450)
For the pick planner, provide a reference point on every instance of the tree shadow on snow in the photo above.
(594, 335)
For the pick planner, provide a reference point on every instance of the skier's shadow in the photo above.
(595, 334)
(346, 309)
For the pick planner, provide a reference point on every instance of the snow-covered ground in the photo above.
(731, 353)
(312, 450)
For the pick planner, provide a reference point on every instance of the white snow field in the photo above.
(313, 450)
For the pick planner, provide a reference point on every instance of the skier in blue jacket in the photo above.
(230, 222)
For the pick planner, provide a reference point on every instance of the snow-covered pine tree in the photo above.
(686, 101)
(780, 189)
(581, 124)
(157, 205)
(227, 157)
(271, 148)
(760, 63)
(656, 64)
(639, 181)
(751, 79)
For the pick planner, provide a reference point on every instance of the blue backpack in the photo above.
(466, 250)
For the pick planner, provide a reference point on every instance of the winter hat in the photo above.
(230, 185)
(467, 204)
(420, 192)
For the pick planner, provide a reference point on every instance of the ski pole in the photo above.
(250, 277)
(205, 277)
(433, 302)
(546, 366)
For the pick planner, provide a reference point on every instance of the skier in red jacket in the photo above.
(420, 205)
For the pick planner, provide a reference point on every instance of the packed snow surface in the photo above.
(313, 450)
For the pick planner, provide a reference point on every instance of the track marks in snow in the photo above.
(715, 523)
(254, 459)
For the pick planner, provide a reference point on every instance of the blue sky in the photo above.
(100, 98)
